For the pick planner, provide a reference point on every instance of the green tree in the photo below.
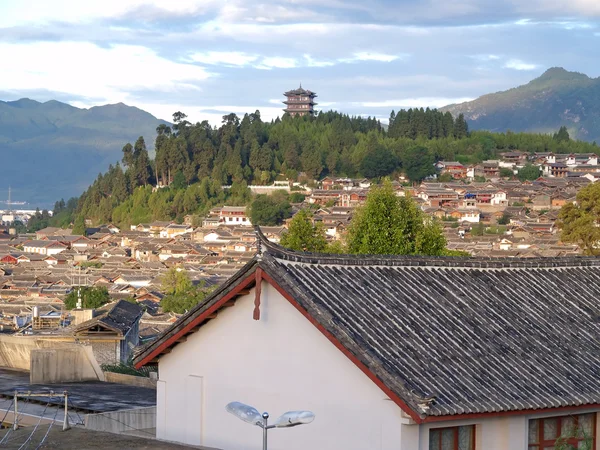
(176, 281)
(79, 225)
(580, 222)
(418, 163)
(181, 294)
(445, 178)
(562, 135)
(304, 236)
(391, 225)
(378, 163)
(505, 172)
(505, 219)
(266, 210)
(529, 172)
(91, 297)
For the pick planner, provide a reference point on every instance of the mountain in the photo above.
(53, 150)
(556, 98)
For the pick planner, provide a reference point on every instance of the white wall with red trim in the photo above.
(279, 363)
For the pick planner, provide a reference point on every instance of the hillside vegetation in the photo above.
(556, 98)
(193, 162)
(51, 150)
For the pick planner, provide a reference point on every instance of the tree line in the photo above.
(194, 161)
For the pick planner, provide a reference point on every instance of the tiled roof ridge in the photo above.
(267, 247)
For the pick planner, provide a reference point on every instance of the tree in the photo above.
(378, 163)
(391, 225)
(505, 219)
(182, 295)
(266, 210)
(128, 155)
(562, 135)
(176, 282)
(79, 225)
(304, 236)
(505, 172)
(529, 172)
(91, 297)
(445, 177)
(418, 163)
(580, 222)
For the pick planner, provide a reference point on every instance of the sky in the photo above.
(208, 58)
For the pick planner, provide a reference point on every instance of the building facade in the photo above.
(300, 102)
(390, 353)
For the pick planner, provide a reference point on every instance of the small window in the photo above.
(453, 438)
(577, 431)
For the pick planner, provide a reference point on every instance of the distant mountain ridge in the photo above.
(556, 98)
(51, 150)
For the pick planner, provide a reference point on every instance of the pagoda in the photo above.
(300, 102)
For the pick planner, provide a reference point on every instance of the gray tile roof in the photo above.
(476, 334)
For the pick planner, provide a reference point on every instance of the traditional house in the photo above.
(454, 168)
(234, 215)
(390, 353)
(113, 331)
(44, 247)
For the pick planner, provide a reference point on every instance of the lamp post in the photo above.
(251, 415)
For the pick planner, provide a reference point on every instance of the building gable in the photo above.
(438, 336)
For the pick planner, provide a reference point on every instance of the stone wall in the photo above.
(112, 377)
(124, 421)
(62, 365)
(15, 351)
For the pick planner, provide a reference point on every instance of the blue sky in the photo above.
(208, 58)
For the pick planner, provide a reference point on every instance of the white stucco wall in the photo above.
(279, 363)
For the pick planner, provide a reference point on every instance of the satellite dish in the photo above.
(293, 418)
(246, 413)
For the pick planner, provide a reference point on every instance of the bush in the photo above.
(128, 369)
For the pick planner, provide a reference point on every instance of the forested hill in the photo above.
(195, 161)
(556, 98)
(52, 149)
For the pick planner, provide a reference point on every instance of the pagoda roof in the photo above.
(300, 91)
(310, 102)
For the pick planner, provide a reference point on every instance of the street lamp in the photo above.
(251, 415)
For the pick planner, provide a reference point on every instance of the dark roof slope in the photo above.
(449, 335)
(119, 316)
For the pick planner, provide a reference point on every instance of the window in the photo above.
(454, 438)
(578, 431)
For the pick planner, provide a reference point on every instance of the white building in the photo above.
(234, 215)
(390, 353)
(44, 247)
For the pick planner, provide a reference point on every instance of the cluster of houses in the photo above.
(431, 352)
(37, 272)
(573, 165)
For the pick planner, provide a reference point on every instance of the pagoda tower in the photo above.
(300, 102)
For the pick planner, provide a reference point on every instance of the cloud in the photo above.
(86, 70)
(484, 58)
(311, 62)
(368, 56)
(276, 62)
(230, 59)
(517, 64)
